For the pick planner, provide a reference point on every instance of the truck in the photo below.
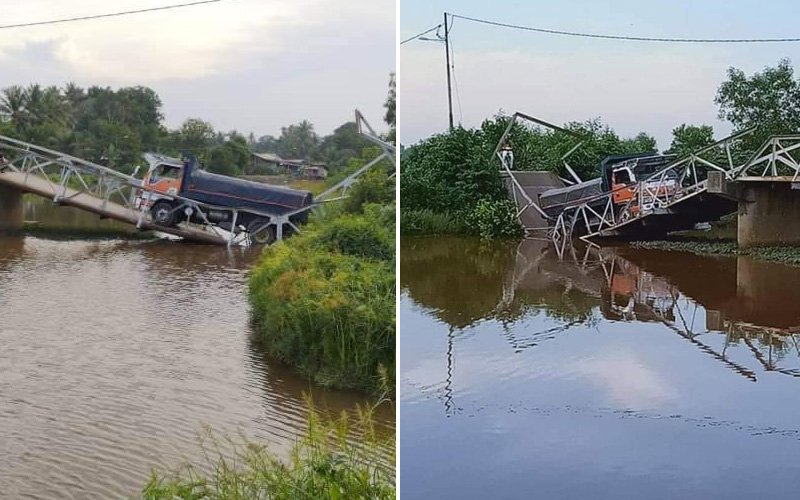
(619, 175)
(168, 181)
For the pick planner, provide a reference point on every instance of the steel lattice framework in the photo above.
(69, 180)
(599, 215)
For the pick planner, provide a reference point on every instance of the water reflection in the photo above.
(713, 303)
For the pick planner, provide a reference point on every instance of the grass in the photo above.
(327, 463)
(422, 222)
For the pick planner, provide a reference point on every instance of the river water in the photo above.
(602, 374)
(118, 356)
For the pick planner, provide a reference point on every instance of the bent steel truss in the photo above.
(69, 180)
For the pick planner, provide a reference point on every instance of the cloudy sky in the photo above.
(633, 86)
(252, 65)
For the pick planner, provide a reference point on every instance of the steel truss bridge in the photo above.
(71, 181)
(652, 210)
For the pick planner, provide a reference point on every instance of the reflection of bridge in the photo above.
(71, 181)
(701, 187)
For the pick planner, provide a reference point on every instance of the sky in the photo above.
(632, 86)
(249, 65)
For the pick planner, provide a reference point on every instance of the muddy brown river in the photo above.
(610, 374)
(117, 356)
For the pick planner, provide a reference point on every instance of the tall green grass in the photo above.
(429, 222)
(324, 300)
(327, 463)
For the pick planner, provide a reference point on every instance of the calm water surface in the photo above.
(605, 374)
(116, 356)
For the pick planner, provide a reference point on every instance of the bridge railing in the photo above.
(681, 179)
(68, 177)
(777, 157)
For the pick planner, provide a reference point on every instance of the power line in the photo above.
(624, 37)
(420, 34)
(113, 14)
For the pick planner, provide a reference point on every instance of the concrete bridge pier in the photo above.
(769, 213)
(11, 211)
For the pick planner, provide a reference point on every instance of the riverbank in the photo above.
(323, 301)
(323, 464)
(785, 255)
(720, 240)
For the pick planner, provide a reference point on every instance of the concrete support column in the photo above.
(770, 216)
(11, 211)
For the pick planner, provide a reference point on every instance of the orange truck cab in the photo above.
(175, 190)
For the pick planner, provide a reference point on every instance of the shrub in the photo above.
(358, 236)
(330, 314)
(373, 187)
(495, 219)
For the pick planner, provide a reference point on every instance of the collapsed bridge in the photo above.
(71, 181)
(633, 200)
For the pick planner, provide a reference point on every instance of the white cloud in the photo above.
(181, 43)
(245, 64)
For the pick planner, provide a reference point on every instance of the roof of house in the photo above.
(271, 157)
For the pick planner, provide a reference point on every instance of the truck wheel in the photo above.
(163, 215)
(261, 234)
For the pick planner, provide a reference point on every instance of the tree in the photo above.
(194, 136)
(769, 100)
(391, 101)
(298, 141)
(689, 138)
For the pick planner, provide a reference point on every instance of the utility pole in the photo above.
(447, 58)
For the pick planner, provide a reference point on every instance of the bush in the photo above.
(358, 236)
(495, 219)
(372, 187)
(323, 301)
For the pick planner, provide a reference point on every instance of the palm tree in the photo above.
(12, 104)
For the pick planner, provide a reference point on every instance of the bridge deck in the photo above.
(85, 201)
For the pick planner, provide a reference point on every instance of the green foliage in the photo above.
(449, 173)
(495, 219)
(323, 300)
(324, 464)
(769, 100)
(373, 187)
(114, 127)
(537, 148)
(391, 103)
(429, 222)
(689, 138)
(359, 236)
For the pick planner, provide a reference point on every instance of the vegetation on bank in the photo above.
(324, 300)
(325, 463)
(786, 255)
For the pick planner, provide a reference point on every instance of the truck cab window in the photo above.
(168, 172)
(622, 177)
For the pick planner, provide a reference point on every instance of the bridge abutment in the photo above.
(769, 214)
(11, 211)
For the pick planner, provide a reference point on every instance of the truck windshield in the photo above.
(166, 172)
